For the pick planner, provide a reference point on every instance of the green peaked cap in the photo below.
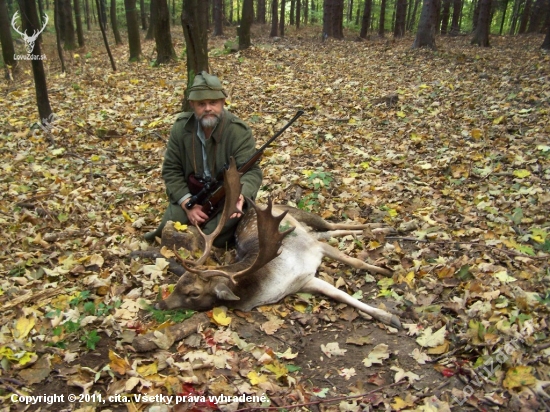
(206, 87)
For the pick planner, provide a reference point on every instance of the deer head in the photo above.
(202, 288)
(29, 40)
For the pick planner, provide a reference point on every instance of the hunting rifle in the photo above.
(211, 195)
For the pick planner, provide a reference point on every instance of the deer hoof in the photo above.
(395, 322)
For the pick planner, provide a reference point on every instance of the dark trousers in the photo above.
(175, 213)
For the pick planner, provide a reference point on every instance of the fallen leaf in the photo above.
(147, 370)
(286, 354)
(37, 372)
(411, 376)
(376, 355)
(347, 373)
(420, 357)
(272, 326)
(399, 403)
(359, 340)
(256, 379)
(519, 376)
(163, 340)
(23, 326)
(278, 369)
(220, 316)
(333, 348)
(118, 364)
(427, 339)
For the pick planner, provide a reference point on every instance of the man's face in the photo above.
(208, 111)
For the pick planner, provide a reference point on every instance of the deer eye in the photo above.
(195, 295)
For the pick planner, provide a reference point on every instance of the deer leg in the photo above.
(319, 286)
(318, 223)
(335, 233)
(354, 226)
(341, 232)
(335, 254)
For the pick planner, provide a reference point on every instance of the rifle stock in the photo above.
(215, 195)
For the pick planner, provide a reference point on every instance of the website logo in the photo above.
(29, 40)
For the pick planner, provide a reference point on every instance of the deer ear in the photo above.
(224, 293)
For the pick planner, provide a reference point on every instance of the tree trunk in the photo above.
(366, 19)
(445, 16)
(8, 51)
(481, 34)
(88, 15)
(29, 21)
(546, 43)
(274, 18)
(292, 9)
(78, 18)
(143, 14)
(525, 17)
(411, 19)
(333, 19)
(218, 17)
(338, 29)
(70, 39)
(425, 35)
(102, 12)
(260, 14)
(153, 12)
(163, 37)
(537, 13)
(382, 20)
(246, 23)
(104, 35)
(56, 16)
(93, 10)
(515, 16)
(475, 17)
(41, 13)
(400, 18)
(193, 16)
(298, 13)
(173, 10)
(133, 30)
(62, 20)
(282, 19)
(455, 21)
(114, 24)
(504, 8)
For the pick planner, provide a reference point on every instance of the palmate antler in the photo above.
(232, 186)
(270, 241)
(269, 237)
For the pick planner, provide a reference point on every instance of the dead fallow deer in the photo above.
(270, 263)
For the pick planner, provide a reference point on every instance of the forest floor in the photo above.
(450, 148)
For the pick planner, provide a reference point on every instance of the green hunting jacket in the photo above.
(231, 137)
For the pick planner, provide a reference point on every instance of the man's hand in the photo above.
(197, 217)
(240, 204)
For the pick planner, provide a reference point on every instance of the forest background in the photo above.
(411, 120)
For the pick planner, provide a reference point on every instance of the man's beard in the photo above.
(210, 121)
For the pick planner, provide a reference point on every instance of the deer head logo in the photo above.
(29, 40)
